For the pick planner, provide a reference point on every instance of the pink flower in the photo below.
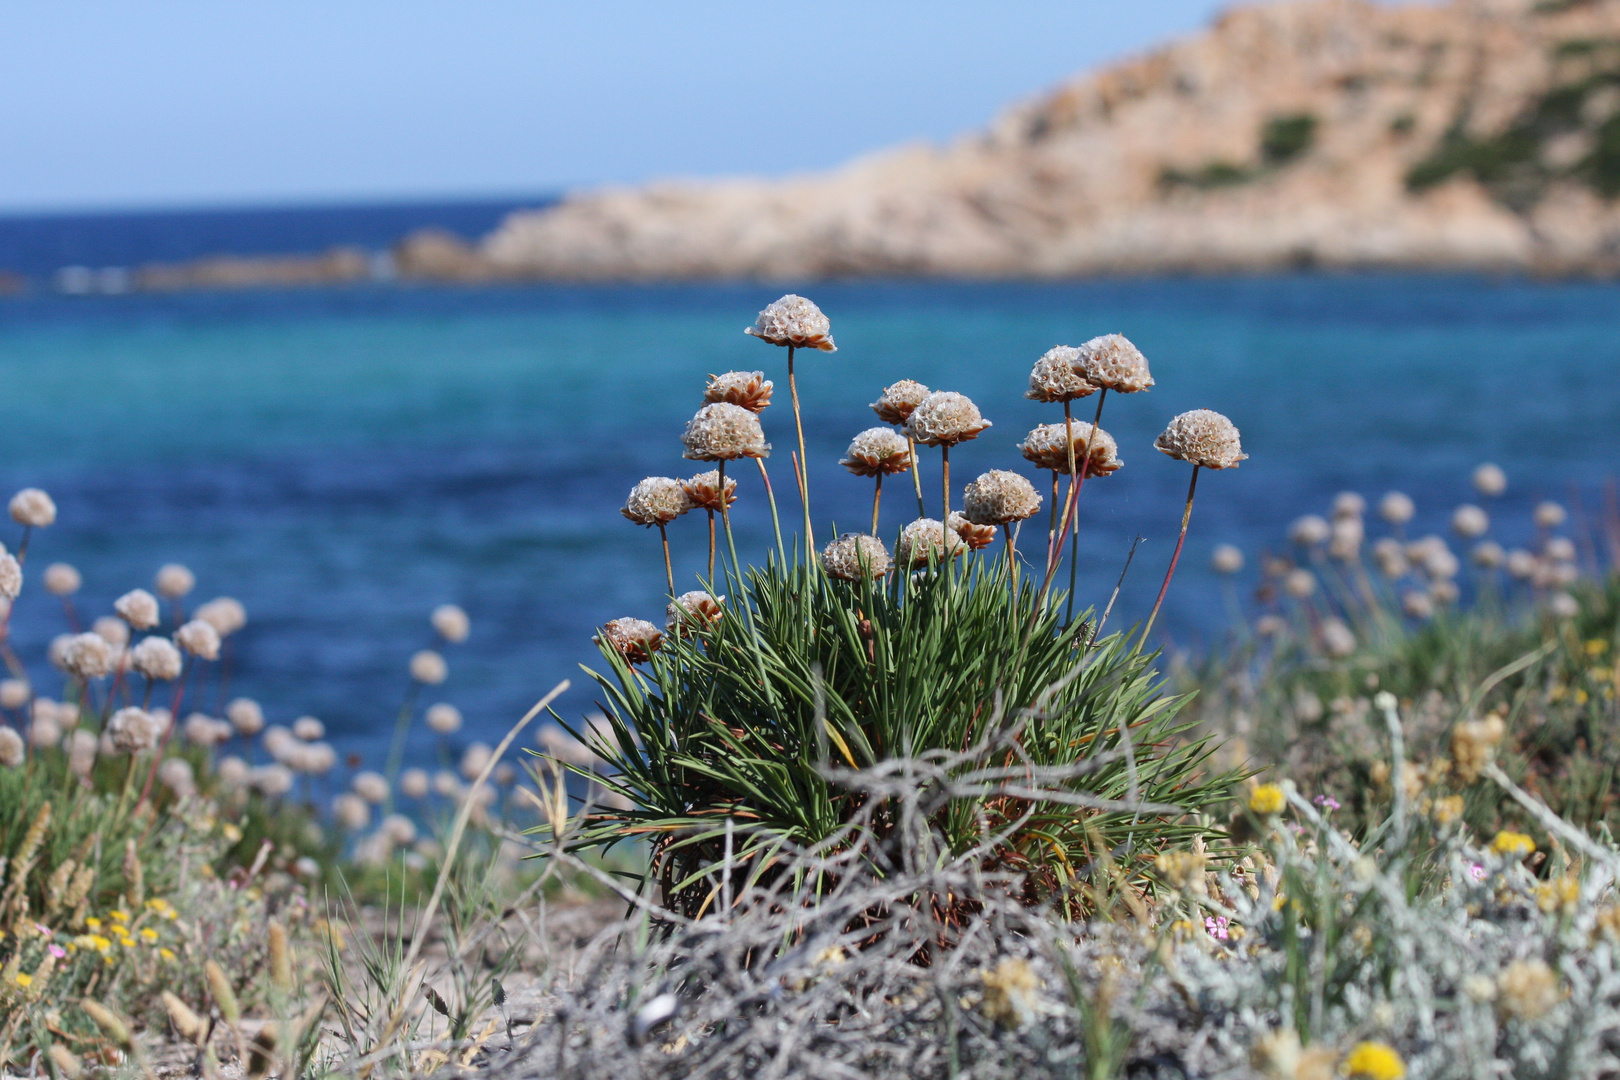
(1326, 802)
(44, 931)
(57, 951)
(1477, 872)
(1216, 925)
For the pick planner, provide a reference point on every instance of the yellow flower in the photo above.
(1581, 696)
(1596, 647)
(1448, 810)
(24, 979)
(166, 953)
(1564, 894)
(232, 833)
(148, 934)
(99, 943)
(93, 923)
(1508, 843)
(1267, 799)
(1374, 1061)
(121, 916)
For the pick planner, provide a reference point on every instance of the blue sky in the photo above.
(245, 101)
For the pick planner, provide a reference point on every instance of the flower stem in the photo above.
(803, 463)
(1074, 493)
(916, 476)
(711, 532)
(877, 497)
(669, 569)
(776, 523)
(945, 487)
(1186, 516)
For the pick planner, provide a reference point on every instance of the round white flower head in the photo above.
(1435, 556)
(351, 812)
(231, 772)
(245, 716)
(749, 389)
(1337, 638)
(176, 775)
(634, 639)
(793, 320)
(224, 613)
(279, 742)
(1113, 363)
(62, 580)
(1349, 504)
(11, 579)
(32, 507)
(1550, 515)
(82, 750)
(1310, 530)
(203, 730)
(504, 774)
(199, 639)
(14, 693)
(1488, 555)
(1000, 497)
(1560, 549)
(429, 667)
(1396, 508)
(897, 402)
(370, 786)
(877, 451)
(723, 432)
(318, 758)
(1489, 480)
(173, 581)
(133, 731)
(1299, 584)
(1202, 437)
(1054, 377)
(854, 556)
(413, 783)
(657, 500)
(975, 536)
(88, 656)
(693, 612)
(704, 491)
(44, 732)
(12, 749)
(452, 623)
(156, 658)
(139, 608)
(446, 785)
(1046, 447)
(308, 728)
(473, 760)
(928, 539)
(945, 418)
(1563, 605)
(1226, 559)
(398, 828)
(272, 781)
(444, 718)
(67, 714)
(1469, 522)
(1347, 534)
(113, 630)
(1444, 592)
(1417, 604)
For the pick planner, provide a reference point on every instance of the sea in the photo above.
(342, 460)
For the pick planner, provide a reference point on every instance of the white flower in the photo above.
(1469, 522)
(473, 760)
(793, 320)
(11, 579)
(1226, 559)
(132, 731)
(413, 783)
(82, 750)
(1563, 605)
(203, 730)
(444, 718)
(370, 786)
(429, 667)
(1310, 530)
(32, 507)
(88, 656)
(1489, 555)
(139, 608)
(1349, 504)
(156, 658)
(308, 729)
(446, 784)
(351, 812)
(111, 629)
(61, 579)
(399, 828)
(1490, 480)
(231, 772)
(14, 693)
(245, 716)
(452, 623)
(225, 614)
(44, 732)
(272, 781)
(1396, 508)
(1550, 515)
(176, 775)
(175, 581)
(1299, 584)
(12, 750)
(1337, 638)
(199, 639)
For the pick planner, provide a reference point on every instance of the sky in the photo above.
(154, 103)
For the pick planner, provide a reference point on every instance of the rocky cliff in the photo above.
(1334, 133)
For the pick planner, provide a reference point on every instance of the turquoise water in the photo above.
(344, 460)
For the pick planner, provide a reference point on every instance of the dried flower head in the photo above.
(693, 611)
(444, 718)
(199, 639)
(473, 760)
(877, 451)
(428, 667)
(1054, 377)
(657, 500)
(174, 581)
(62, 579)
(224, 613)
(976, 537)
(927, 539)
(11, 578)
(749, 389)
(12, 750)
(723, 432)
(33, 508)
(1469, 521)
(1112, 362)
(854, 556)
(245, 716)
(156, 658)
(897, 402)
(1011, 992)
(704, 491)
(1202, 437)
(451, 623)
(1000, 497)
(132, 731)
(87, 656)
(1310, 530)
(45, 732)
(1473, 746)
(1527, 990)
(1184, 871)
(139, 608)
(1046, 447)
(1489, 480)
(634, 639)
(1226, 559)
(1396, 508)
(945, 418)
(793, 320)
(308, 728)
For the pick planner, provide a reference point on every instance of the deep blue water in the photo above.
(343, 460)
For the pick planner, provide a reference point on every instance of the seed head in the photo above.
(1396, 508)
(1310, 530)
(33, 508)
(1054, 377)
(132, 731)
(877, 451)
(1226, 559)
(854, 556)
(723, 432)
(139, 608)
(11, 579)
(174, 581)
(1550, 515)
(1469, 522)
(693, 611)
(199, 639)
(444, 718)
(12, 750)
(62, 580)
(156, 658)
(1047, 448)
(945, 418)
(225, 614)
(793, 320)
(1489, 480)
(245, 716)
(704, 491)
(88, 656)
(927, 539)
(976, 537)
(1113, 363)
(1202, 437)
(896, 404)
(634, 639)
(749, 389)
(657, 500)
(452, 623)
(999, 497)
(429, 667)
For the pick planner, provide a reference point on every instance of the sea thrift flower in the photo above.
(657, 500)
(1560, 549)
(634, 639)
(877, 451)
(272, 781)
(11, 578)
(444, 718)
(1300, 584)
(722, 432)
(1349, 504)
(225, 614)
(692, 611)
(33, 508)
(1346, 536)
(156, 658)
(1563, 605)
(927, 539)
(1217, 927)
(12, 750)
(1490, 480)
(1416, 604)
(413, 783)
(749, 389)
(245, 716)
(199, 639)
(88, 656)
(897, 402)
(139, 608)
(14, 693)
(1046, 447)
(793, 320)
(113, 631)
(1310, 530)
(1202, 437)
(1226, 559)
(399, 828)
(1113, 363)
(1527, 990)
(351, 812)
(370, 786)
(429, 667)
(44, 732)
(174, 581)
(82, 748)
(133, 731)
(1488, 555)
(976, 537)
(999, 497)
(1337, 638)
(1374, 1061)
(1550, 515)
(854, 556)
(1396, 508)
(473, 761)
(1469, 522)
(704, 491)
(452, 623)
(945, 418)
(308, 728)
(62, 580)
(203, 730)
(1054, 377)
(176, 775)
